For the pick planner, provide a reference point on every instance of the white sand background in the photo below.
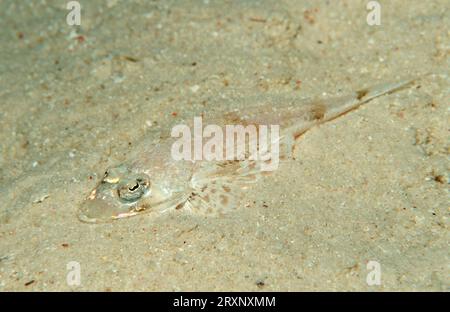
(369, 186)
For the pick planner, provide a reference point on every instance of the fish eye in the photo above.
(134, 187)
(132, 190)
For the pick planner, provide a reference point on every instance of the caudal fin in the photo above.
(338, 107)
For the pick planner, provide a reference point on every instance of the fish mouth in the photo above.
(101, 209)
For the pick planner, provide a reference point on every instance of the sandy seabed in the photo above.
(369, 186)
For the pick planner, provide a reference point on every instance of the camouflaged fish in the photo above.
(152, 181)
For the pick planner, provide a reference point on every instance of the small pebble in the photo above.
(195, 88)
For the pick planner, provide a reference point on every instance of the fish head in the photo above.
(120, 193)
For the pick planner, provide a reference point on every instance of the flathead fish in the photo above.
(153, 181)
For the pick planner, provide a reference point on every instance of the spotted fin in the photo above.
(218, 187)
(217, 197)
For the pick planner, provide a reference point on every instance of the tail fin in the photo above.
(343, 105)
(368, 94)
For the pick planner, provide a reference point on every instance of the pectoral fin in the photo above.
(217, 188)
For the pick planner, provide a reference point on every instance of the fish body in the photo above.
(153, 181)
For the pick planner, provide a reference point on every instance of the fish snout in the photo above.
(103, 206)
(119, 194)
